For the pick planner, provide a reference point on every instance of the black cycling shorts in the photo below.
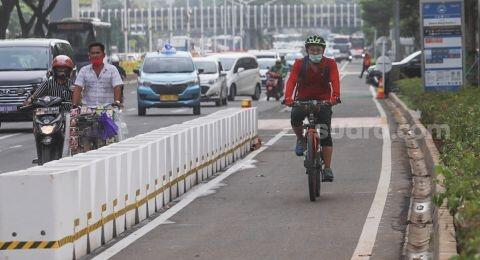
(324, 119)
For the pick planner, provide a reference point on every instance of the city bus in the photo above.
(358, 44)
(80, 33)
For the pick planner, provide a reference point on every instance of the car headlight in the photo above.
(193, 82)
(212, 81)
(144, 83)
(47, 129)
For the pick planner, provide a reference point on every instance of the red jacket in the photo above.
(316, 84)
(367, 60)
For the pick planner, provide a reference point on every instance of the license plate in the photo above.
(46, 110)
(168, 97)
(7, 108)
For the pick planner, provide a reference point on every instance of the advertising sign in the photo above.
(442, 44)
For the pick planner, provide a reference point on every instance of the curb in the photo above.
(444, 242)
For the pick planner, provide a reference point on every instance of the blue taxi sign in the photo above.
(168, 49)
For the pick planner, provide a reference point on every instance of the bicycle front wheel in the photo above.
(310, 165)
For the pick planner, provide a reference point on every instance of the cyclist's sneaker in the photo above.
(299, 148)
(327, 175)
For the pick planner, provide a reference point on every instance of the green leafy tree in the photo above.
(376, 14)
(410, 20)
(5, 11)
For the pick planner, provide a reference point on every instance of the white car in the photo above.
(265, 65)
(243, 75)
(260, 54)
(213, 80)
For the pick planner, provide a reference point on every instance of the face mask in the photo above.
(97, 62)
(315, 58)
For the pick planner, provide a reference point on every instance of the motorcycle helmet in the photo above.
(62, 67)
(114, 59)
(315, 40)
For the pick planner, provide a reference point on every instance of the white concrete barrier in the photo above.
(67, 208)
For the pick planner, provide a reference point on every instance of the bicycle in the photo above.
(313, 161)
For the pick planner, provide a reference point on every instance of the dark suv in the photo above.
(24, 65)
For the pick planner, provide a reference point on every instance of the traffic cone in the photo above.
(380, 89)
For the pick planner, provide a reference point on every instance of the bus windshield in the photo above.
(79, 39)
(357, 43)
(80, 34)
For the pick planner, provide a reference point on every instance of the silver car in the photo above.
(213, 80)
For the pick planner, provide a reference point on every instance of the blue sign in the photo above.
(442, 40)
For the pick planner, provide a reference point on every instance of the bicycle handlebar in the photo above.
(311, 102)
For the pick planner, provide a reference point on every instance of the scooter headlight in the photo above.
(47, 129)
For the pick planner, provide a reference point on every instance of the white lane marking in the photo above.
(131, 109)
(133, 92)
(185, 200)
(8, 136)
(370, 228)
(337, 122)
(16, 146)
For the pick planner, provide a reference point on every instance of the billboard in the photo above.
(442, 44)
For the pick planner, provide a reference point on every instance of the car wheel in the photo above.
(218, 103)
(142, 111)
(233, 93)
(196, 110)
(258, 91)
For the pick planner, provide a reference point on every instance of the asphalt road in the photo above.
(262, 210)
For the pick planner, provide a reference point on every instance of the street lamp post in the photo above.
(150, 40)
(125, 24)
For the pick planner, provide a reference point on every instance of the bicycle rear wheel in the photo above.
(310, 165)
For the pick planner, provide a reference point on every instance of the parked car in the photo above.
(264, 66)
(25, 65)
(243, 75)
(213, 80)
(409, 67)
(168, 79)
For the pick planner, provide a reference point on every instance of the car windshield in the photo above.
(341, 40)
(209, 67)
(227, 63)
(265, 64)
(24, 58)
(168, 65)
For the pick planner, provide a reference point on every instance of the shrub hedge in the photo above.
(460, 154)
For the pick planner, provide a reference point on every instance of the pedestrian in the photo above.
(367, 60)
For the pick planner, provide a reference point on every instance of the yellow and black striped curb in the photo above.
(18, 245)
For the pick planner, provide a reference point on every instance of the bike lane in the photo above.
(262, 211)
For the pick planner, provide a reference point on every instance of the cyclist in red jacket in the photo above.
(314, 77)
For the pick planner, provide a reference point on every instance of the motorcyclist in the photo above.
(281, 70)
(115, 60)
(314, 77)
(59, 84)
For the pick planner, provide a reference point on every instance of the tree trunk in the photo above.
(470, 41)
(5, 11)
(25, 26)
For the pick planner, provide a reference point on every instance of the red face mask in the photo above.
(97, 62)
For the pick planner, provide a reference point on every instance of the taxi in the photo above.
(166, 79)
